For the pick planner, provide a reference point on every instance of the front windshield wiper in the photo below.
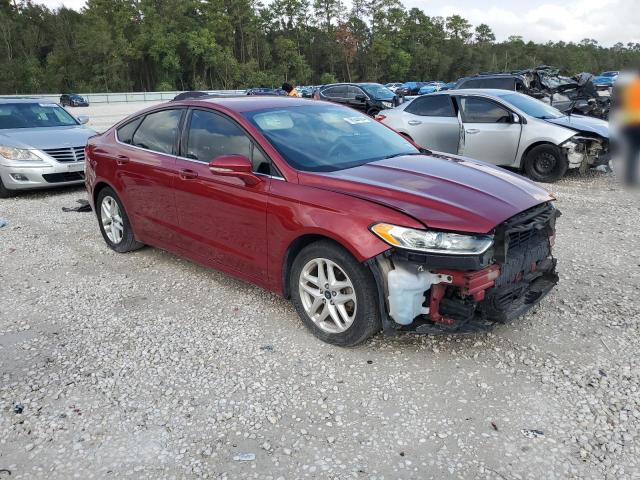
(422, 151)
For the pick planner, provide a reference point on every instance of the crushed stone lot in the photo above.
(145, 365)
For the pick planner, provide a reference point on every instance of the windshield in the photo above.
(378, 91)
(326, 138)
(34, 115)
(531, 106)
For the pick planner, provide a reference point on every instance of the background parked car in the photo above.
(41, 145)
(265, 91)
(409, 88)
(430, 87)
(73, 100)
(393, 86)
(606, 79)
(504, 128)
(367, 97)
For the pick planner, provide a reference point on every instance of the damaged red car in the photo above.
(362, 229)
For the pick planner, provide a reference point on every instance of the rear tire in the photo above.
(114, 222)
(545, 163)
(323, 294)
(5, 192)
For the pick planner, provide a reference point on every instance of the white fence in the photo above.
(123, 97)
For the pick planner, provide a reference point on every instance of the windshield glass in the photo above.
(378, 91)
(531, 106)
(34, 115)
(326, 138)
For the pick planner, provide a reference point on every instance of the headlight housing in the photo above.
(18, 154)
(432, 241)
(387, 104)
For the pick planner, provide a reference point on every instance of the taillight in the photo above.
(380, 117)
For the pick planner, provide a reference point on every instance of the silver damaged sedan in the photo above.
(41, 145)
(505, 128)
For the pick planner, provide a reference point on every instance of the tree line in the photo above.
(138, 45)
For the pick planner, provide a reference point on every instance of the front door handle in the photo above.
(122, 159)
(471, 131)
(414, 122)
(187, 174)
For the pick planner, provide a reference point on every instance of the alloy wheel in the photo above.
(327, 295)
(112, 219)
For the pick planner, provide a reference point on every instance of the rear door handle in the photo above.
(187, 174)
(414, 122)
(122, 159)
(471, 131)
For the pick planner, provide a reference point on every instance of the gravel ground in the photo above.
(145, 365)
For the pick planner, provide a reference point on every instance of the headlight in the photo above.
(387, 104)
(432, 241)
(19, 154)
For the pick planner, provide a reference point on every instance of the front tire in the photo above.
(114, 222)
(334, 295)
(5, 192)
(545, 163)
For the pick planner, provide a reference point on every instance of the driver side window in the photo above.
(211, 135)
(480, 110)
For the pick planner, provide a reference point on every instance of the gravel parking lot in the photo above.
(145, 365)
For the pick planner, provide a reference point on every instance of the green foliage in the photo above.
(125, 45)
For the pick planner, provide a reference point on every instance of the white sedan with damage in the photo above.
(504, 128)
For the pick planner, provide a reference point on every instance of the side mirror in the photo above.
(237, 166)
(83, 119)
(515, 118)
(361, 98)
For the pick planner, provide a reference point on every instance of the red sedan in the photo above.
(359, 227)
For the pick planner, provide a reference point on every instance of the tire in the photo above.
(5, 192)
(372, 112)
(364, 309)
(545, 163)
(119, 238)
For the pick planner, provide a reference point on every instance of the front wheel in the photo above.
(335, 296)
(5, 192)
(114, 222)
(545, 163)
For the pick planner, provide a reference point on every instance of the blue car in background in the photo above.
(606, 79)
(430, 87)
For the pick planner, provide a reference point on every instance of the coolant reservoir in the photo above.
(406, 292)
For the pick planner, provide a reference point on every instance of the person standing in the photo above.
(291, 91)
(629, 120)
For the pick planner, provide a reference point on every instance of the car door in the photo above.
(357, 98)
(144, 164)
(222, 220)
(489, 132)
(431, 121)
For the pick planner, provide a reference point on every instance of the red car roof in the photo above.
(250, 102)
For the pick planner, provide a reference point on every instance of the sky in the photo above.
(607, 21)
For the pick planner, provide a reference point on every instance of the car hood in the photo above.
(46, 137)
(581, 123)
(441, 191)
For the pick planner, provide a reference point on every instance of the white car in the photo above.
(41, 145)
(504, 128)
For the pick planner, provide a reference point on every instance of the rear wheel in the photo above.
(114, 222)
(5, 192)
(335, 295)
(545, 163)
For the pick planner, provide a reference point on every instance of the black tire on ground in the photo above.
(128, 242)
(367, 318)
(5, 192)
(372, 112)
(545, 163)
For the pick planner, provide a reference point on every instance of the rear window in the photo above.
(432, 106)
(158, 131)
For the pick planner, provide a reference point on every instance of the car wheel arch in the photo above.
(296, 246)
(523, 157)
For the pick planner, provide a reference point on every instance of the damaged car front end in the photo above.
(433, 281)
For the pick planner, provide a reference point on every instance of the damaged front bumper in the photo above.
(426, 293)
(585, 152)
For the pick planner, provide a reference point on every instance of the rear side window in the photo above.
(211, 135)
(435, 106)
(339, 91)
(158, 131)
(480, 110)
(125, 132)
